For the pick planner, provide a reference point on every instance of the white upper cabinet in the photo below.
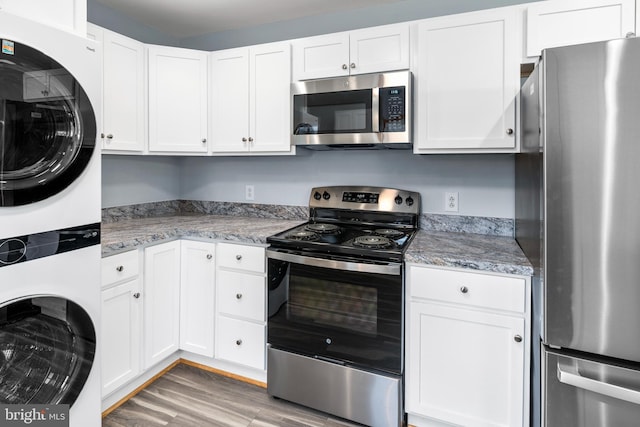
(250, 101)
(370, 50)
(123, 91)
(177, 100)
(556, 23)
(467, 81)
(67, 15)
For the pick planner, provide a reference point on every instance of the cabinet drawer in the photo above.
(249, 258)
(240, 342)
(473, 289)
(120, 267)
(241, 294)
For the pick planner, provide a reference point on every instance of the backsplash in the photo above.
(429, 222)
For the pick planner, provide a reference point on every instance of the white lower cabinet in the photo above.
(161, 301)
(121, 334)
(241, 305)
(197, 281)
(467, 349)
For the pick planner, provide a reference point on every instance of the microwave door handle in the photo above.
(392, 269)
(568, 374)
(375, 110)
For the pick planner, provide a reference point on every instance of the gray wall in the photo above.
(485, 182)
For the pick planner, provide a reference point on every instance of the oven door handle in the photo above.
(392, 269)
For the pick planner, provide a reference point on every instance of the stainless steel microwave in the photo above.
(364, 111)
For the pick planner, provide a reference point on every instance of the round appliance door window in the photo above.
(47, 126)
(47, 347)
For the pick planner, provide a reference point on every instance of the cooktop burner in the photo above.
(322, 228)
(372, 242)
(389, 232)
(302, 235)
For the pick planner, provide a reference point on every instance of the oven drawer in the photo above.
(117, 268)
(240, 294)
(241, 342)
(472, 289)
(249, 258)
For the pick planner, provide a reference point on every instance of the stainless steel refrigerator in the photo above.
(578, 221)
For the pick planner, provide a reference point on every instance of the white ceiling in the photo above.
(186, 18)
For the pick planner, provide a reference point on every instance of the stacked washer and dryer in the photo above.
(50, 89)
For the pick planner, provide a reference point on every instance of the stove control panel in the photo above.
(375, 199)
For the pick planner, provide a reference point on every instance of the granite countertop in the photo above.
(445, 249)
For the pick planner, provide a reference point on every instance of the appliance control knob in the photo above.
(398, 200)
(464, 289)
(326, 195)
(517, 338)
(317, 195)
(409, 201)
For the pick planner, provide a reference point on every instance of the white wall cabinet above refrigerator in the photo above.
(250, 100)
(556, 23)
(67, 15)
(123, 91)
(467, 80)
(370, 50)
(177, 100)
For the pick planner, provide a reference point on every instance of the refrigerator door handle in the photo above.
(568, 374)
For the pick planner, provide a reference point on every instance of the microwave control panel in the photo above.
(392, 109)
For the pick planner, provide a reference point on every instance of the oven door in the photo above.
(337, 310)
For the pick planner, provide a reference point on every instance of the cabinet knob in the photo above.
(238, 296)
(244, 139)
(204, 140)
(238, 342)
(353, 65)
(136, 295)
(517, 338)
(110, 136)
(250, 139)
(238, 257)
(120, 268)
(630, 34)
(464, 289)
(344, 66)
(509, 131)
(209, 256)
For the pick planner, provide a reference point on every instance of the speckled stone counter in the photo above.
(128, 234)
(471, 251)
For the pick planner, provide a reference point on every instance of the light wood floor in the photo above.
(187, 396)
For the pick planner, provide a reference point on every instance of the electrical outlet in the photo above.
(451, 201)
(249, 192)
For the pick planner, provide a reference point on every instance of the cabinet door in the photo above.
(468, 82)
(67, 15)
(465, 367)
(270, 99)
(161, 301)
(321, 56)
(379, 49)
(566, 22)
(177, 100)
(123, 93)
(230, 100)
(197, 270)
(121, 335)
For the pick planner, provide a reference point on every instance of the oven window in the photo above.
(334, 304)
(332, 112)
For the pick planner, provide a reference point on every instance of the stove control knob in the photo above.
(317, 195)
(326, 195)
(398, 200)
(409, 201)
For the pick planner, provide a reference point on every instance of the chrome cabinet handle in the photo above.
(204, 140)
(136, 295)
(209, 256)
(238, 296)
(238, 342)
(238, 257)
(250, 139)
(120, 268)
(110, 136)
(244, 139)
(344, 66)
(353, 65)
(517, 338)
(464, 289)
(509, 131)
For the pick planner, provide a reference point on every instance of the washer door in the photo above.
(47, 126)
(47, 347)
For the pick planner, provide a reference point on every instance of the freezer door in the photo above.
(592, 170)
(583, 393)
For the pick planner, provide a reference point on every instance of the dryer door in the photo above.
(47, 348)
(47, 126)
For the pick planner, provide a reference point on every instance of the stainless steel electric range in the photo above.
(336, 292)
